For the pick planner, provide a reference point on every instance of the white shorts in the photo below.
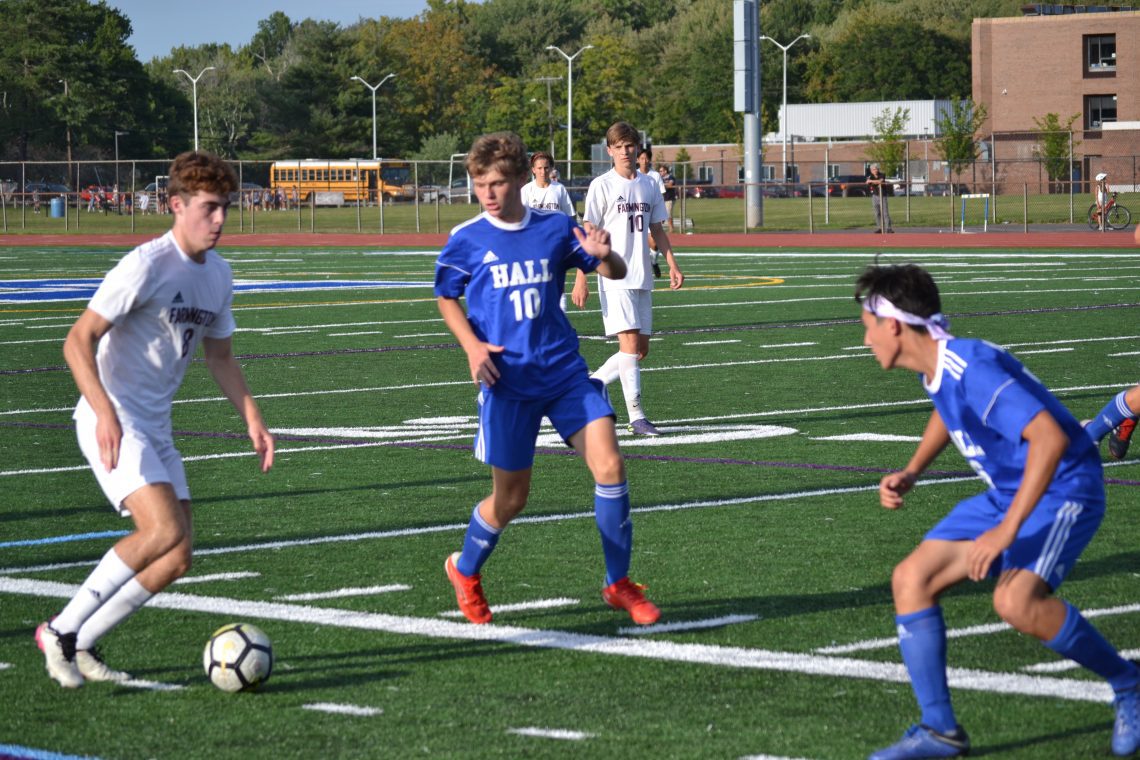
(145, 457)
(624, 310)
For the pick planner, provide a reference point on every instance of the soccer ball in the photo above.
(238, 657)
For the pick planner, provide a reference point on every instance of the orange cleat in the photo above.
(468, 592)
(1119, 439)
(627, 595)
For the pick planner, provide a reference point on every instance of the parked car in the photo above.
(46, 189)
(702, 191)
(848, 185)
(818, 190)
(944, 188)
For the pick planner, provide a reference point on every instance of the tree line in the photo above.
(69, 80)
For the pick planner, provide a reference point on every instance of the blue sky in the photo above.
(160, 25)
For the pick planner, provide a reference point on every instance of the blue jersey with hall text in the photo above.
(986, 398)
(513, 276)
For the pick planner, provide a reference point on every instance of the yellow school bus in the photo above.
(337, 181)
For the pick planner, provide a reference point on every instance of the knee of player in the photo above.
(907, 577)
(1014, 608)
(610, 469)
(163, 539)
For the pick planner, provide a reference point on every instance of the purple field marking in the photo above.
(689, 331)
(556, 452)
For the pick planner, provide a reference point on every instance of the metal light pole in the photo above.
(784, 116)
(569, 103)
(374, 89)
(194, 89)
(549, 109)
(117, 189)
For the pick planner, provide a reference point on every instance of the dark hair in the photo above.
(647, 151)
(542, 154)
(622, 131)
(503, 151)
(907, 286)
(198, 171)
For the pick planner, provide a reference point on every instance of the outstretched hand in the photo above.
(595, 241)
(893, 486)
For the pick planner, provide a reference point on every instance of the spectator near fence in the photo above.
(881, 190)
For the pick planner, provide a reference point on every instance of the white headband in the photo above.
(936, 324)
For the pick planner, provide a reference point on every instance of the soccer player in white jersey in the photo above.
(542, 191)
(128, 352)
(510, 264)
(645, 166)
(545, 192)
(1043, 503)
(629, 206)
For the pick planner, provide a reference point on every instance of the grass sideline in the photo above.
(757, 529)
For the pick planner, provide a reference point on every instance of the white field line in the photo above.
(551, 733)
(138, 683)
(341, 593)
(1045, 351)
(342, 709)
(523, 520)
(973, 630)
(537, 604)
(1126, 353)
(667, 651)
(687, 625)
(217, 577)
(710, 342)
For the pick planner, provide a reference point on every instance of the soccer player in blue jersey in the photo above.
(510, 263)
(1043, 503)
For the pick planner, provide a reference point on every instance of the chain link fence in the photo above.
(1011, 185)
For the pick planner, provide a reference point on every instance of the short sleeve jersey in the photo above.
(553, 197)
(513, 276)
(986, 398)
(161, 303)
(625, 208)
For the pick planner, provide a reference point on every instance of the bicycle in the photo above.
(1116, 217)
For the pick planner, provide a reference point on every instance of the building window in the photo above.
(1100, 53)
(705, 174)
(1098, 110)
(767, 173)
(834, 170)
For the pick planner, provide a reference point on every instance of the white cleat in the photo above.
(59, 656)
(93, 668)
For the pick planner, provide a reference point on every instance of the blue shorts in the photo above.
(1048, 544)
(508, 427)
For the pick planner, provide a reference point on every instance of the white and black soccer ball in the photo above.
(238, 657)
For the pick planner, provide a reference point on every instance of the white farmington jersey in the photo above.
(161, 304)
(625, 208)
(655, 175)
(553, 197)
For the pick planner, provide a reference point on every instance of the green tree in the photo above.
(958, 126)
(68, 74)
(881, 55)
(689, 99)
(887, 148)
(1055, 144)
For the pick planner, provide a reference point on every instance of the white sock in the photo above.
(609, 371)
(630, 372)
(107, 578)
(125, 601)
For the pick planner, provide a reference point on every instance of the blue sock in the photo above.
(922, 639)
(1114, 412)
(611, 512)
(1084, 645)
(478, 544)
